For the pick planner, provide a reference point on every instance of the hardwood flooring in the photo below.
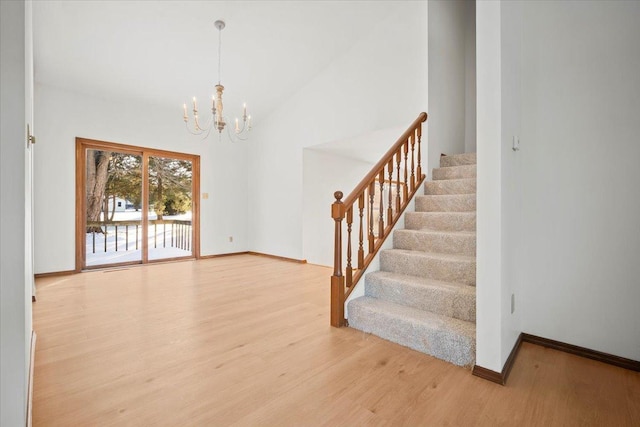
(246, 341)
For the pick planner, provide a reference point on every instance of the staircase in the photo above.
(424, 295)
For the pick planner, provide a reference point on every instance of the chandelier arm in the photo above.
(206, 135)
(192, 132)
(237, 136)
(210, 123)
(200, 130)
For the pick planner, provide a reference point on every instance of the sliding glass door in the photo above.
(170, 208)
(113, 210)
(134, 205)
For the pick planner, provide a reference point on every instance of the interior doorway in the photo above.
(134, 205)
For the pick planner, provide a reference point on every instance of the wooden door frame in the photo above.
(82, 144)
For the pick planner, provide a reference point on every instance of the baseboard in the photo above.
(281, 258)
(32, 360)
(499, 377)
(488, 374)
(610, 359)
(55, 273)
(222, 255)
(506, 369)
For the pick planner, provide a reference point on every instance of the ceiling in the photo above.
(165, 52)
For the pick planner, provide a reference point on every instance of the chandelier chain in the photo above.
(219, 52)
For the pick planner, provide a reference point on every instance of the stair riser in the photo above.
(422, 265)
(458, 160)
(440, 243)
(452, 186)
(446, 203)
(440, 300)
(440, 221)
(454, 172)
(445, 345)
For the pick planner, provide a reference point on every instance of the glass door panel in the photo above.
(170, 230)
(113, 208)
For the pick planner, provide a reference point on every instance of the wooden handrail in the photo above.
(373, 173)
(380, 219)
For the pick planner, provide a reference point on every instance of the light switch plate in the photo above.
(516, 143)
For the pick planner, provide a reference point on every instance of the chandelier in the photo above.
(217, 119)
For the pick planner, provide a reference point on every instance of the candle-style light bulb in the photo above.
(195, 106)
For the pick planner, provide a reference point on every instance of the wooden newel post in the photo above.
(337, 279)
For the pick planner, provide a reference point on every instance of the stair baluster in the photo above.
(406, 168)
(381, 208)
(349, 269)
(365, 192)
(390, 204)
(361, 237)
(413, 178)
(419, 168)
(372, 237)
(398, 159)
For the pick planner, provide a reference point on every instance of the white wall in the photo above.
(451, 78)
(380, 83)
(580, 174)
(29, 101)
(470, 77)
(15, 291)
(557, 220)
(489, 304)
(337, 165)
(511, 175)
(62, 116)
(323, 174)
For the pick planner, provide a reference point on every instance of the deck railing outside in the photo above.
(127, 235)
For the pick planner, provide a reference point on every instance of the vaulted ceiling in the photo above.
(165, 52)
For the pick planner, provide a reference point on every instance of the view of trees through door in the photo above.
(135, 205)
(170, 200)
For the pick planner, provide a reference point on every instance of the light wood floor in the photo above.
(246, 341)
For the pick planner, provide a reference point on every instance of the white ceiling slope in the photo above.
(165, 52)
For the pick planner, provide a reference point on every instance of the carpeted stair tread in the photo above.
(450, 186)
(424, 295)
(435, 255)
(454, 172)
(440, 221)
(438, 266)
(445, 298)
(444, 337)
(456, 242)
(446, 203)
(458, 160)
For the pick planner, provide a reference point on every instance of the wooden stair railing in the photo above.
(404, 159)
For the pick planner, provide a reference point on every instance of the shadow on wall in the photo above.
(337, 165)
